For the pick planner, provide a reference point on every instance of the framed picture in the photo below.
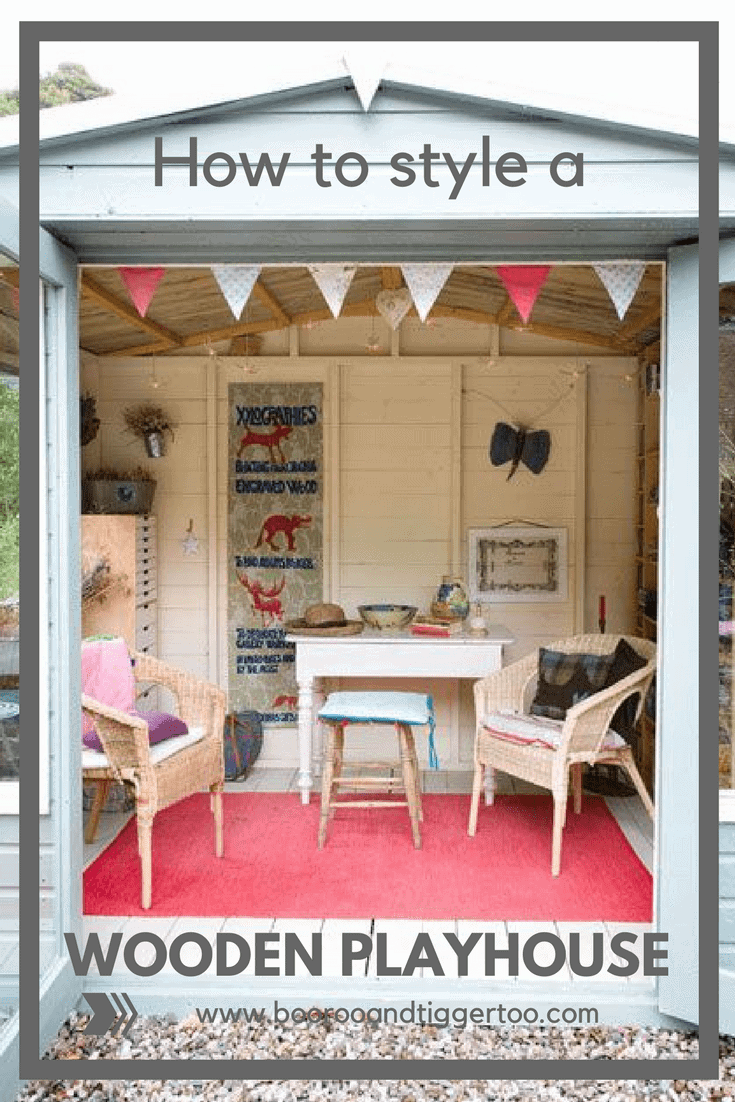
(521, 563)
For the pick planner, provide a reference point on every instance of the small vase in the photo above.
(451, 601)
(154, 444)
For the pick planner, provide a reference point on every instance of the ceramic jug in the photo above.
(451, 601)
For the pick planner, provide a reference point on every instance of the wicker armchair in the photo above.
(157, 784)
(582, 735)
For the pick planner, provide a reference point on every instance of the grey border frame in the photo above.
(706, 35)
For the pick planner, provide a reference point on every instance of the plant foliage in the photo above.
(70, 83)
(9, 490)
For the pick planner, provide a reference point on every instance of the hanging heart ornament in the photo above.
(393, 305)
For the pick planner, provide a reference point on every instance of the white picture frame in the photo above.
(517, 564)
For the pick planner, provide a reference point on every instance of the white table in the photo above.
(385, 654)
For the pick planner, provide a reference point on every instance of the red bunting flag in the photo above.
(523, 283)
(141, 284)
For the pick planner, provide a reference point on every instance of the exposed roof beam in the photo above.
(579, 335)
(639, 325)
(391, 278)
(505, 313)
(367, 308)
(92, 289)
(271, 302)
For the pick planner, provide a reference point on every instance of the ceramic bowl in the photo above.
(385, 617)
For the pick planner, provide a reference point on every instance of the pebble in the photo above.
(166, 1037)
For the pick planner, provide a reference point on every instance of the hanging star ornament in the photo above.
(190, 543)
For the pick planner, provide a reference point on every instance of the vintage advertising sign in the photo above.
(274, 563)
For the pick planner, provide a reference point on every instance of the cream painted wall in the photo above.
(406, 474)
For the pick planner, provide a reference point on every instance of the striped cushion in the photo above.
(535, 730)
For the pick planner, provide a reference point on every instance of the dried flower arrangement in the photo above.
(98, 581)
(89, 422)
(152, 424)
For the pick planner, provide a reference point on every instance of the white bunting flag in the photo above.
(236, 281)
(333, 280)
(425, 281)
(621, 279)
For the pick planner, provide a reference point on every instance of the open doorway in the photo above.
(409, 417)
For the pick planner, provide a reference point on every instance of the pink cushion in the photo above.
(161, 726)
(107, 676)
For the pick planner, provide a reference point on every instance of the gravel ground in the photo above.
(168, 1038)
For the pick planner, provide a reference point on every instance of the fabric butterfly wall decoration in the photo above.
(518, 445)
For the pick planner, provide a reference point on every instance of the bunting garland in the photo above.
(425, 282)
(333, 280)
(393, 305)
(621, 279)
(141, 285)
(523, 283)
(236, 282)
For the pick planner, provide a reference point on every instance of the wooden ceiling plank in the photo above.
(115, 305)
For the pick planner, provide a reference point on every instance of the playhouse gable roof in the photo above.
(71, 124)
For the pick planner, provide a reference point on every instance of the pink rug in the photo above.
(369, 867)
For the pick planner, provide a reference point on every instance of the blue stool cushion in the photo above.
(379, 707)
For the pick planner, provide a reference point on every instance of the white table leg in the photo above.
(318, 697)
(489, 786)
(306, 720)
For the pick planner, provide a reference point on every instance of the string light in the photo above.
(155, 384)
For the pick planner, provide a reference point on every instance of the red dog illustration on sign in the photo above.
(276, 523)
(265, 601)
(290, 703)
(270, 440)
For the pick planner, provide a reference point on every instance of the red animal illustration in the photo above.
(265, 601)
(270, 440)
(289, 702)
(276, 523)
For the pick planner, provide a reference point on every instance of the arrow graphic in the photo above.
(104, 1013)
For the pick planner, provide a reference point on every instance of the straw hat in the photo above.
(324, 619)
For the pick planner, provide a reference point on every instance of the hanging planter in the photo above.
(152, 425)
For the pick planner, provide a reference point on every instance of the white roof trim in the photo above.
(112, 111)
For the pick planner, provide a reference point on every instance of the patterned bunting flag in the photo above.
(236, 282)
(425, 281)
(333, 280)
(141, 284)
(523, 283)
(621, 279)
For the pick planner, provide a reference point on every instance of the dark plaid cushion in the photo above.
(626, 661)
(565, 679)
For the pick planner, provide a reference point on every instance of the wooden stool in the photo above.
(403, 710)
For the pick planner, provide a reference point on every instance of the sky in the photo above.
(661, 77)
